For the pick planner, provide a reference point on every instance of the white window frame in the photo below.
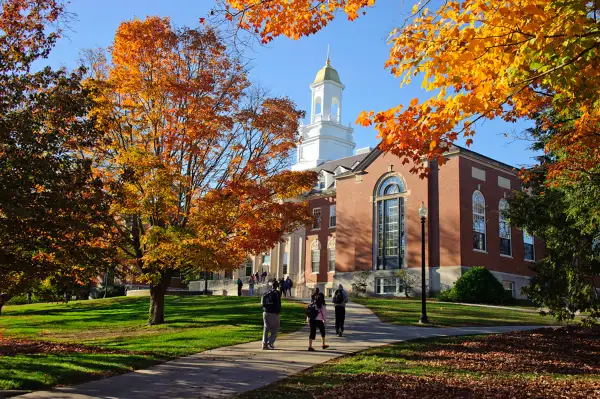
(379, 285)
(503, 205)
(525, 239)
(476, 194)
(332, 216)
(316, 213)
(315, 256)
(330, 251)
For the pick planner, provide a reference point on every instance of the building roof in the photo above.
(347, 163)
(327, 73)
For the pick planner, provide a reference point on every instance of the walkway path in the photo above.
(225, 372)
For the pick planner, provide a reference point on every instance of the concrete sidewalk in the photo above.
(227, 371)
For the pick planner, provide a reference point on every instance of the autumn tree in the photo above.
(195, 157)
(483, 59)
(53, 211)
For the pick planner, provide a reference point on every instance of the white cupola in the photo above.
(324, 138)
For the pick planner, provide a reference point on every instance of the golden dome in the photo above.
(327, 73)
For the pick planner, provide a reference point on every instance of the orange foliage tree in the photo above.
(484, 59)
(196, 155)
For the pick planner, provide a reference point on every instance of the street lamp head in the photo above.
(422, 210)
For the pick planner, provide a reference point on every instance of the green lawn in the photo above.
(194, 324)
(546, 363)
(406, 311)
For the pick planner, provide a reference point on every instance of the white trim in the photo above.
(506, 256)
(480, 251)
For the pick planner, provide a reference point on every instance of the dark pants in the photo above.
(314, 324)
(340, 316)
(239, 290)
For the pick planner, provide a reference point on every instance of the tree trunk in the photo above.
(205, 282)
(157, 300)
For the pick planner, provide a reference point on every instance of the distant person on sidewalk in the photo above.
(282, 286)
(317, 318)
(240, 284)
(289, 284)
(264, 276)
(251, 286)
(257, 277)
(271, 304)
(340, 299)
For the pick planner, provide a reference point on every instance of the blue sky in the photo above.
(286, 67)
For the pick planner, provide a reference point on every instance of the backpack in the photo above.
(312, 311)
(270, 301)
(338, 297)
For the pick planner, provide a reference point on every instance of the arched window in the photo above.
(391, 185)
(315, 256)
(331, 255)
(389, 215)
(478, 221)
(318, 106)
(505, 236)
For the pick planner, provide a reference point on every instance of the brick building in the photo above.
(365, 213)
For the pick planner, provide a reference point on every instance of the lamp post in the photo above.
(423, 215)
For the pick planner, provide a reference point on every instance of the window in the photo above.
(316, 219)
(331, 253)
(285, 263)
(505, 236)
(321, 182)
(329, 292)
(478, 221)
(390, 223)
(266, 260)
(391, 185)
(248, 267)
(529, 248)
(315, 256)
(509, 286)
(332, 219)
(388, 286)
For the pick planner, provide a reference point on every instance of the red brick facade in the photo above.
(447, 194)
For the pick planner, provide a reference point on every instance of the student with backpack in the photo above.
(271, 304)
(288, 285)
(240, 284)
(340, 299)
(317, 317)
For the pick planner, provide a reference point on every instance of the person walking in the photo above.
(282, 286)
(317, 318)
(251, 285)
(271, 304)
(240, 284)
(288, 284)
(264, 276)
(314, 295)
(340, 299)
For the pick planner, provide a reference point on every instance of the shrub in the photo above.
(446, 296)
(111, 291)
(478, 285)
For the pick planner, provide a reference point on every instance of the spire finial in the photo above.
(327, 62)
